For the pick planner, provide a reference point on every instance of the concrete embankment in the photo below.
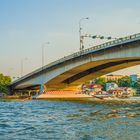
(95, 100)
(75, 96)
(131, 100)
(63, 94)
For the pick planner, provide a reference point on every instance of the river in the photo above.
(57, 120)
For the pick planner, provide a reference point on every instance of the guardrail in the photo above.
(98, 47)
(77, 54)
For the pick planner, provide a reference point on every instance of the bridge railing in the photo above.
(109, 44)
(112, 43)
(98, 47)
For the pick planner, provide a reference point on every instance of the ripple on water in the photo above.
(36, 120)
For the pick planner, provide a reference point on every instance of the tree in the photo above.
(101, 81)
(137, 84)
(4, 82)
(112, 81)
(125, 82)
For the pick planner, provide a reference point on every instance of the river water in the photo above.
(50, 120)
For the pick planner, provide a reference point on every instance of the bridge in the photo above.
(71, 71)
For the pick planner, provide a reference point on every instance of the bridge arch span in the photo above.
(73, 70)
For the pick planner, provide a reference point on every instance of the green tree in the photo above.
(125, 82)
(101, 81)
(4, 82)
(137, 84)
(112, 81)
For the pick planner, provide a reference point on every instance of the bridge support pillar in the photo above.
(41, 89)
(29, 93)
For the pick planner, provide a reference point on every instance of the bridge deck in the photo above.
(109, 44)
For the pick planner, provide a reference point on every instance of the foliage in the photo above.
(101, 81)
(112, 81)
(125, 82)
(137, 84)
(4, 82)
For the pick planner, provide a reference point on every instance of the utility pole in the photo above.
(80, 33)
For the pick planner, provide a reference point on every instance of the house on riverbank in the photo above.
(122, 92)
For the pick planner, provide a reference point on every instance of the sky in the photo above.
(27, 25)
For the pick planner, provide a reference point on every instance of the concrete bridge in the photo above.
(71, 71)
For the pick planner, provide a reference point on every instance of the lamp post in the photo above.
(43, 46)
(42, 84)
(80, 33)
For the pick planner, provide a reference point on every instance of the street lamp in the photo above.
(22, 61)
(43, 46)
(80, 33)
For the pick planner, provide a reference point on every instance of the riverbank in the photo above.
(87, 99)
(78, 96)
(16, 98)
(130, 100)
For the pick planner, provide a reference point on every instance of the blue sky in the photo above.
(25, 25)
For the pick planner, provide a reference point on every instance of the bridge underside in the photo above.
(70, 80)
(28, 87)
(70, 72)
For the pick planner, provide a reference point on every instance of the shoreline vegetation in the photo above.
(5, 81)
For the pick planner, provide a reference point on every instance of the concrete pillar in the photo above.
(11, 91)
(29, 92)
(45, 88)
(41, 89)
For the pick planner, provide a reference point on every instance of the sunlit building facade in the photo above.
(112, 77)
